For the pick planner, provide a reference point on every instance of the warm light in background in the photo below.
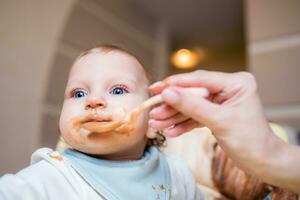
(185, 58)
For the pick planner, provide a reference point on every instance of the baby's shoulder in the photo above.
(48, 177)
(46, 154)
(46, 166)
(54, 165)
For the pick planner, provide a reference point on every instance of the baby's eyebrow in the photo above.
(125, 81)
(73, 83)
(130, 83)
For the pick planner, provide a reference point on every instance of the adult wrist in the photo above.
(269, 163)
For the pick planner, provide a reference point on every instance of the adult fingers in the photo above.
(158, 87)
(163, 111)
(181, 128)
(191, 104)
(215, 82)
(172, 121)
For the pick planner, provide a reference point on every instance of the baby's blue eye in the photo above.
(118, 91)
(79, 94)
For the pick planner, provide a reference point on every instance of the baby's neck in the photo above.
(134, 153)
(117, 157)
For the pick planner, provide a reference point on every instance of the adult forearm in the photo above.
(284, 170)
(270, 159)
(278, 165)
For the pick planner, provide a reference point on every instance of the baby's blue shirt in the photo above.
(147, 178)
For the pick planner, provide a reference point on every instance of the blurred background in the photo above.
(39, 39)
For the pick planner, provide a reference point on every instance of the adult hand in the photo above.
(232, 111)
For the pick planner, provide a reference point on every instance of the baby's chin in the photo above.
(104, 145)
(89, 144)
(96, 150)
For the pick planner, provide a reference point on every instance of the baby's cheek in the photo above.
(71, 132)
(135, 100)
(120, 112)
(62, 123)
(65, 120)
(64, 127)
(142, 121)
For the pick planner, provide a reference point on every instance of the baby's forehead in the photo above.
(113, 63)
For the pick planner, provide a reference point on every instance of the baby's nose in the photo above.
(95, 103)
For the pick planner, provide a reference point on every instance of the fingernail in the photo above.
(158, 87)
(170, 96)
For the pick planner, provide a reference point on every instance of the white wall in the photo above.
(28, 35)
(273, 43)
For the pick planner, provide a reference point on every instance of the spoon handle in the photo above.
(151, 101)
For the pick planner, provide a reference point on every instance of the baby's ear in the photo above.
(155, 138)
(151, 133)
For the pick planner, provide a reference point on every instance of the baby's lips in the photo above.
(158, 86)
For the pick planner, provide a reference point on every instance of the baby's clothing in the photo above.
(148, 177)
(74, 175)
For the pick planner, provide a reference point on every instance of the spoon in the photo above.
(127, 123)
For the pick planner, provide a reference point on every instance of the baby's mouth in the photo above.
(95, 123)
(93, 118)
(96, 120)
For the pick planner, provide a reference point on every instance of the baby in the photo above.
(105, 83)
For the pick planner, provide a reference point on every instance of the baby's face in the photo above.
(108, 85)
